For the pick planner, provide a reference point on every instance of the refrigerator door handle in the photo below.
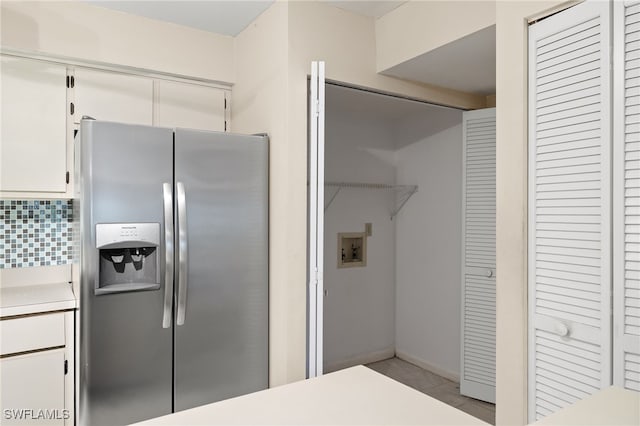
(182, 253)
(169, 253)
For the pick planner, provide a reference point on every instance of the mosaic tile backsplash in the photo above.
(35, 233)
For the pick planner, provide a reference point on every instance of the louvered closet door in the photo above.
(626, 289)
(569, 203)
(478, 345)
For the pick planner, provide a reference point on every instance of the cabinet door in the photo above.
(110, 96)
(33, 145)
(189, 106)
(478, 345)
(33, 387)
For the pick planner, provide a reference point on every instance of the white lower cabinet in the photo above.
(33, 388)
(36, 370)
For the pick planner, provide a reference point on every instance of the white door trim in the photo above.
(316, 219)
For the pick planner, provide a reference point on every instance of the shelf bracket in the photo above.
(333, 197)
(404, 192)
(404, 198)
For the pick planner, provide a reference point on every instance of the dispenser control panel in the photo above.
(125, 234)
(129, 231)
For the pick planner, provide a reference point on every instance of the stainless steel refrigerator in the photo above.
(173, 269)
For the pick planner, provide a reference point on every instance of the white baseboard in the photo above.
(361, 359)
(451, 375)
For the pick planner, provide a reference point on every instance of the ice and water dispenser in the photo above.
(128, 257)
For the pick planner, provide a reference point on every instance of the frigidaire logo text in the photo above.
(35, 414)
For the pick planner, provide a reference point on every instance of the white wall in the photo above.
(80, 30)
(347, 42)
(259, 104)
(418, 27)
(428, 252)
(359, 307)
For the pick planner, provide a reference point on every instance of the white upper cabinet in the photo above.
(42, 102)
(189, 106)
(33, 155)
(111, 96)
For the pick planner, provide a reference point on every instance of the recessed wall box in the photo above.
(352, 249)
(368, 229)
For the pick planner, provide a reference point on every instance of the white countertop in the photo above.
(611, 406)
(32, 299)
(357, 395)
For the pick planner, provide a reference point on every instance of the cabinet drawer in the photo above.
(30, 333)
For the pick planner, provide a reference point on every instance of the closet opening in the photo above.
(393, 219)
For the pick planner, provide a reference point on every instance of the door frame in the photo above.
(316, 220)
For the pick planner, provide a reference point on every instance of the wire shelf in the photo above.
(404, 192)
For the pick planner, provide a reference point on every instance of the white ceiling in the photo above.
(228, 17)
(467, 64)
(375, 106)
(411, 120)
(374, 9)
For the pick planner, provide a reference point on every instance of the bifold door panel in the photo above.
(478, 345)
(569, 207)
(626, 221)
(316, 220)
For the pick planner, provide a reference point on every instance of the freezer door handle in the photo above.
(182, 253)
(169, 253)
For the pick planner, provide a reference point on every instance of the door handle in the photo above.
(168, 253)
(182, 253)
(561, 329)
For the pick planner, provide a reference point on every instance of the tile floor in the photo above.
(435, 386)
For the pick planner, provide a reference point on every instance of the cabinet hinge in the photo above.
(71, 108)
(66, 177)
(73, 81)
(66, 366)
(68, 81)
(225, 104)
(225, 125)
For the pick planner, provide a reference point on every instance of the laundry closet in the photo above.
(393, 235)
